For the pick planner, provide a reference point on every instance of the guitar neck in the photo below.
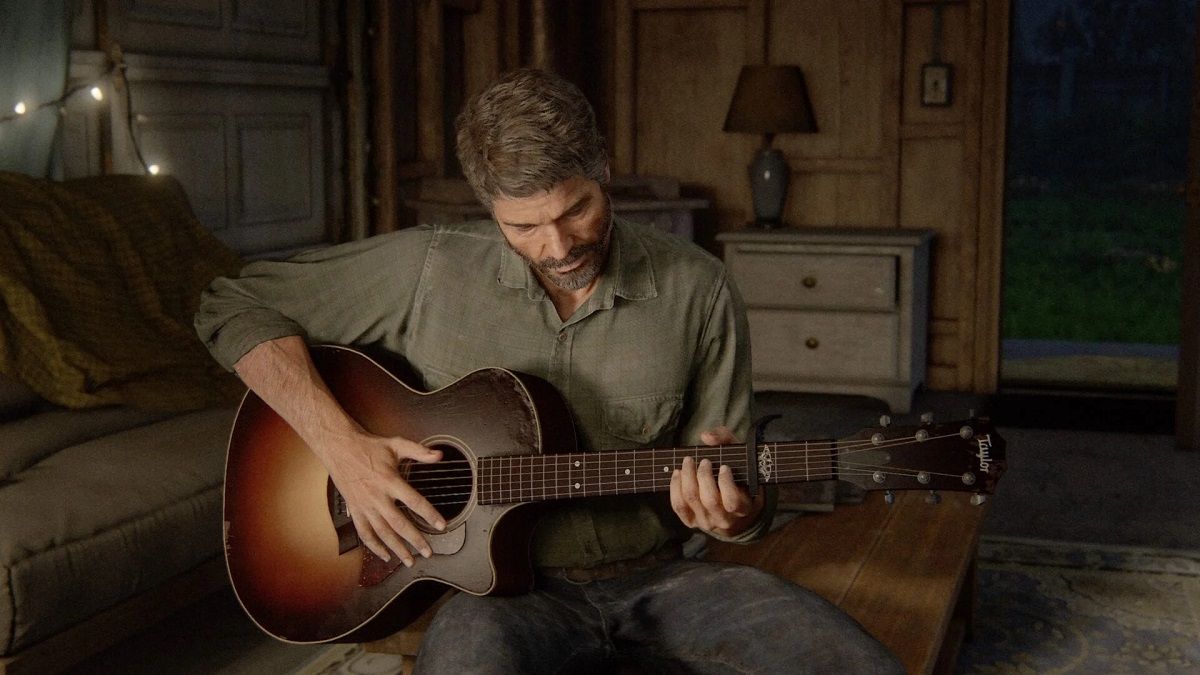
(535, 478)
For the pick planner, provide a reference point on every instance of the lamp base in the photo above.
(769, 177)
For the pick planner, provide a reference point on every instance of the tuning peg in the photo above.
(889, 497)
(978, 499)
(933, 497)
(885, 420)
(927, 418)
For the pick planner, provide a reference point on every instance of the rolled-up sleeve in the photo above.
(722, 393)
(356, 293)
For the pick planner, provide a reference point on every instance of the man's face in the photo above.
(562, 233)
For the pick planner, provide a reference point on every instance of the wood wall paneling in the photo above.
(624, 88)
(687, 63)
(806, 34)
(252, 162)
(861, 66)
(192, 148)
(858, 199)
(879, 157)
(274, 17)
(956, 49)
(931, 185)
(267, 30)
(232, 97)
(483, 42)
(83, 24)
(430, 97)
(81, 146)
(946, 153)
(385, 198)
(266, 194)
(836, 171)
(892, 42)
(990, 228)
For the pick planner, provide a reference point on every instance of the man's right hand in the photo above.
(364, 467)
(366, 470)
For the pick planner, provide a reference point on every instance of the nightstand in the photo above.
(835, 310)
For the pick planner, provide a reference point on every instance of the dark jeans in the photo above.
(680, 617)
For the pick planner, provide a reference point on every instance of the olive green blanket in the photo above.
(99, 279)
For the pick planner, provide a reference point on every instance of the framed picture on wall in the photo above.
(937, 81)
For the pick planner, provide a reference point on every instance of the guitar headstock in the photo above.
(963, 456)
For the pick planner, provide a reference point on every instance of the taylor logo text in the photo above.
(984, 454)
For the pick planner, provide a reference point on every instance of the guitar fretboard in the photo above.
(532, 478)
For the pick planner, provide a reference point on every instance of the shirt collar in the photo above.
(628, 273)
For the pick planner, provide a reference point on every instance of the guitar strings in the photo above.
(500, 498)
(779, 449)
(615, 483)
(782, 451)
(779, 454)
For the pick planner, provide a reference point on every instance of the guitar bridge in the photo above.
(343, 524)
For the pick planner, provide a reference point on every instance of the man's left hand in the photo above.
(714, 504)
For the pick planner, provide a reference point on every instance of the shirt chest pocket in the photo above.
(641, 420)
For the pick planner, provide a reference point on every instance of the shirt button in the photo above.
(562, 337)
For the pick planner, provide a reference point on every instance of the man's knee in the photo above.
(795, 623)
(527, 634)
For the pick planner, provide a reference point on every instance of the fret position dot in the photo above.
(576, 463)
(577, 486)
(626, 472)
(666, 469)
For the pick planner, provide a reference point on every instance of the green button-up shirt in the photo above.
(657, 354)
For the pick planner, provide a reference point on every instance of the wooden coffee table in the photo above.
(906, 572)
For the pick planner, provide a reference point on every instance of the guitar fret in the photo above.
(485, 480)
(556, 461)
(573, 475)
(526, 479)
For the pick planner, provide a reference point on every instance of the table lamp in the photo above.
(770, 100)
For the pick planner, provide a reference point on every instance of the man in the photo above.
(642, 333)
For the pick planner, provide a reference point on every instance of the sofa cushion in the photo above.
(104, 519)
(16, 399)
(30, 439)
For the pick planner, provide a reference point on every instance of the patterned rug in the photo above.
(1052, 607)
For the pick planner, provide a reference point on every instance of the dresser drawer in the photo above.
(824, 345)
(816, 280)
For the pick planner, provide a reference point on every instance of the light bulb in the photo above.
(97, 94)
(153, 169)
(19, 108)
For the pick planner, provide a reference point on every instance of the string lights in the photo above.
(22, 109)
(116, 72)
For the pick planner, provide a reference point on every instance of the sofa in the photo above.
(113, 425)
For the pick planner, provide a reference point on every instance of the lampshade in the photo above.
(770, 100)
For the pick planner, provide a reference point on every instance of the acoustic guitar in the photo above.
(300, 572)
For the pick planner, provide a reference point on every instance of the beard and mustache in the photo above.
(595, 255)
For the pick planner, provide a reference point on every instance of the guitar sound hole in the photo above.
(447, 484)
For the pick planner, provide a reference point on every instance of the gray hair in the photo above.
(527, 132)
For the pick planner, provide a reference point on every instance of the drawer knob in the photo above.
(812, 343)
(809, 282)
